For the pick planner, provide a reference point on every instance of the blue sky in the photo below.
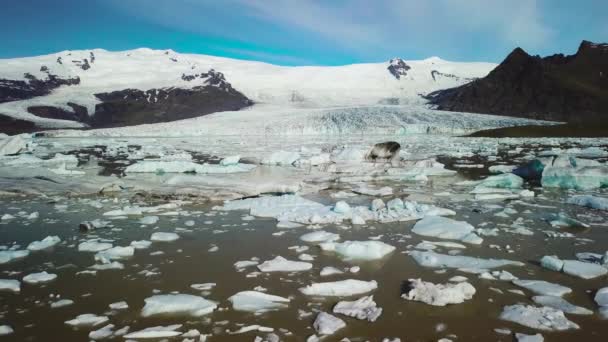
(305, 32)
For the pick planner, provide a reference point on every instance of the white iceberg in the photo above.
(257, 302)
(46, 243)
(319, 236)
(542, 287)
(280, 264)
(8, 256)
(594, 202)
(87, 320)
(342, 288)
(446, 228)
(177, 304)
(359, 250)
(93, 246)
(364, 308)
(163, 237)
(114, 253)
(10, 285)
(282, 158)
(436, 260)
(156, 332)
(39, 278)
(438, 294)
(561, 304)
(12, 145)
(326, 324)
(541, 318)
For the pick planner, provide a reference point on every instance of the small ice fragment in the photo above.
(542, 287)
(438, 294)
(87, 320)
(257, 302)
(319, 236)
(155, 332)
(164, 237)
(39, 278)
(46, 243)
(177, 304)
(359, 250)
(280, 264)
(364, 308)
(348, 287)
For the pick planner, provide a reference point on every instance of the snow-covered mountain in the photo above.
(99, 88)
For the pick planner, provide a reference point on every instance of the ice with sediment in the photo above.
(87, 320)
(446, 228)
(320, 236)
(327, 324)
(93, 246)
(39, 278)
(114, 253)
(341, 288)
(45, 243)
(436, 260)
(542, 287)
(438, 294)
(280, 264)
(541, 318)
(7, 256)
(364, 308)
(257, 302)
(177, 304)
(10, 285)
(594, 202)
(358, 250)
(148, 166)
(155, 332)
(164, 237)
(561, 304)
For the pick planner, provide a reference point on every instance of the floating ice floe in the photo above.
(348, 287)
(141, 244)
(39, 278)
(114, 265)
(329, 270)
(446, 228)
(601, 299)
(107, 332)
(114, 253)
(87, 320)
(293, 208)
(542, 287)
(529, 338)
(326, 324)
(10, 285)
(576, 268)
(541, 318)
(155, 332)
(593, 202)
(364, 308)
(163, 237)
(93, 246)
(436, 260)
(319, 236)
(280, 264)
(438, 294)
(365, 190)
(562, 220)
(7, 256)
(177, 304)
(119, 305)
(257, 302)
(45, 243)
(6, 330)
(502, 168)
(282, 158)
(561, 304)
(186, 166)
(431, 245)
(358, 250)
(148, 220)
(567, 172)
(61, 303)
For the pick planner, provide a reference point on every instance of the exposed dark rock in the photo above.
(78, 113)
(398, 68)
(10, 125)
(92, 57)
(438, 74)
(14, 90)
(559, 88)
(59, 61)
(133, 107)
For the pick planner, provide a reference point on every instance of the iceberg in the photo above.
(46, 243)
(542, 287)
(281, 158)
(438, 294)
(156, 332)
(358, 250)
(280, 264)
(436, 260)
(446, 228)
(593, 202)
(561, 304)
(326, 324)
(39, 278)
(177, 304)
(541, 318)
(363, 308)
(163, 237)
(257, 302)
(341, 288)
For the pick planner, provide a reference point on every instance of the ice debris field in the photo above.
(268, 238)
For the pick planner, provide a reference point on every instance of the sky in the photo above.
(305, 32)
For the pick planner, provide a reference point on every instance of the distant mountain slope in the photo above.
(98, 88)
(558, 88)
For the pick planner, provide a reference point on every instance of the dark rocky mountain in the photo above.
(14, 90)
(398, 68)
(558, 88)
